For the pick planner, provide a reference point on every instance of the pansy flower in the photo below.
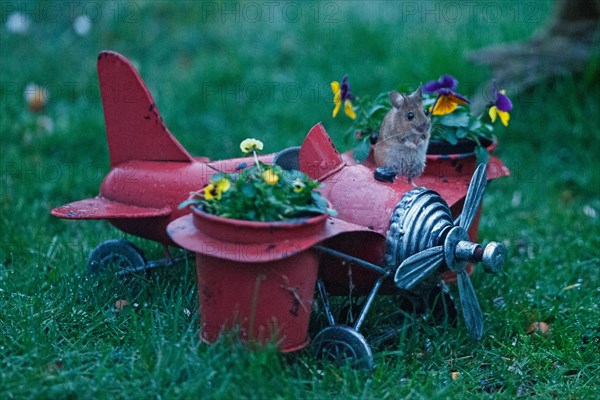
(444, 82)
(249, 145)
(342, 94)
(500, 107)
(270, 177)
(210, 192)
(216, 188)
(447, 99)
(223, 185)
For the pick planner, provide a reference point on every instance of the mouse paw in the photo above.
(385, 174)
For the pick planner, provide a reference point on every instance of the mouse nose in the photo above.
(424, 127)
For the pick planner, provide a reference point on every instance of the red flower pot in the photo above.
(254, 278)
(449, 161)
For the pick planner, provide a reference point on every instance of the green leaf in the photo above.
(456, 119)
(475, 124)
(361, 150)
(248, 190)
(188, 202)
(384, 99)
(461, 133)
(449, 135)
(377, 111)
(482, 155)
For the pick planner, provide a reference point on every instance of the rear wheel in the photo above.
(343, 345)
(114, 256)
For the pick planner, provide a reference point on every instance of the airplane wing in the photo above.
(102, 208)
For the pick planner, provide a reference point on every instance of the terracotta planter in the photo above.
(255, 279)
(447, 161)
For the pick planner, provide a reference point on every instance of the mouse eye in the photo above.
(410, 115)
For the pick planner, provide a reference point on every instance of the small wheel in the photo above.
(115, 255)
(343, 345)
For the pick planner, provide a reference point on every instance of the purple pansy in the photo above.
(447, 99)
(502, 102)
(345, 89)
(343, 95)
(445, 82)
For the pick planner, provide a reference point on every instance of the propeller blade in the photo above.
(418, 267)
(474, 196)
(470, 306)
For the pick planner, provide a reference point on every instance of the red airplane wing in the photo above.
(102, 208)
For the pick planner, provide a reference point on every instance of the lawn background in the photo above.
(221, 72)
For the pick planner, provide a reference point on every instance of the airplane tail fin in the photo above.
(318, 156)
(134, 128)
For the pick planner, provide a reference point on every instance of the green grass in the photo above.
(60, 336)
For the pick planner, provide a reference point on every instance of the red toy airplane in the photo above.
(386, 229)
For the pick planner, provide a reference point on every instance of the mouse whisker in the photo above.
(389, 138)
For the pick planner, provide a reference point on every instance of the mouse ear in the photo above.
(397, 99)
(418, 93)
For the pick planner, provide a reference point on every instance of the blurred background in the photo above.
(220, 71)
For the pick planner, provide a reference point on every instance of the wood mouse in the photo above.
(403, 138)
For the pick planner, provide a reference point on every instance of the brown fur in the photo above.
(402, 143)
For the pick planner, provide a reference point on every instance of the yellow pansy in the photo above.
(270, 177)
(249, 145)
(349, 109)
(447, 102)
(444, 106)
(500, 107)
(337, 99)
(341, 94)
(223, 185)
(215, 189)
(210, 192)
(495, 112)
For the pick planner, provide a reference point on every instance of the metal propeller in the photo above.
(473, 199)
(456, 252)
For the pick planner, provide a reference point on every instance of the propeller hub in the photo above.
(456, 236)
(458, 251)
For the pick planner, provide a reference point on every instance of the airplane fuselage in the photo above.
(158, 185)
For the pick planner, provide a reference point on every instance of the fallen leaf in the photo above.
(541, 328)
(120, 304)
